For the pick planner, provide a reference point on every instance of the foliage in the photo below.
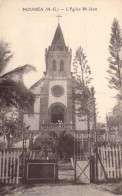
(5, 55)
(82, 93)
(65, 145)
(115, 119)
(13, 92)
(115, 46)
(12, 127)
(101, 125)
(62, 146)
(82, 70)
(46, 142)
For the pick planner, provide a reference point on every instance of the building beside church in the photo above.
(53, 93)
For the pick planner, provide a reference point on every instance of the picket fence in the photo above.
(111, 159)
(10, 164)
(109, 163)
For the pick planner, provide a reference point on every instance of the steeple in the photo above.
(58, 56)
(58, 43)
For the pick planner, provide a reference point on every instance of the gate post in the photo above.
(74, 171)
(96, 157)
(92, 169)
(95, 135)
(74, 159)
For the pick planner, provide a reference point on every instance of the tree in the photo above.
(82, 92)
(13, 92)
(115, 46)
(115, 119)
(114, 71)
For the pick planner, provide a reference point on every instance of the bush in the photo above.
(61, 147)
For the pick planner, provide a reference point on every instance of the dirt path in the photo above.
(60, 189)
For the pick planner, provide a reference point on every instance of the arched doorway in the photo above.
(57, 114)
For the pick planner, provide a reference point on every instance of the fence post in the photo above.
(95, 134)
(0, 166)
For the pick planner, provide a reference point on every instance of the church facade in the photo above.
(53, 93)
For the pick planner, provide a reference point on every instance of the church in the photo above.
(54, 103)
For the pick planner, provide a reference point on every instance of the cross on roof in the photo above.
(58, 18)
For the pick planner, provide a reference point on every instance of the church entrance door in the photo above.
(57, 114)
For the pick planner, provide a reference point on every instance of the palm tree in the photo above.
(13, 92)
(14, 96)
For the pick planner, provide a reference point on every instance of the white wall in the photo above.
(37, 104)
(82, 125)
(63, 98)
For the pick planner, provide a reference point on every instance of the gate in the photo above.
(83, 162)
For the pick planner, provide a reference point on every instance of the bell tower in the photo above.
(58, 57)
(56, 98)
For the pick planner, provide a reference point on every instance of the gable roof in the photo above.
(37, 83)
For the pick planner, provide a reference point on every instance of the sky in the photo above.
(30, 32)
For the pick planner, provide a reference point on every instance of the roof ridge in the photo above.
(34, 85)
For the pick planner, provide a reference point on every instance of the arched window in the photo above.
(61, 65)
(54, 65)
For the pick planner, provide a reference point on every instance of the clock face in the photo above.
(57, 91)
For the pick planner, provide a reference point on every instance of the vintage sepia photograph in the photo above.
(60, 97)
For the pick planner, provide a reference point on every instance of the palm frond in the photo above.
(15, 94)
(5, 55)
(19, 70)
